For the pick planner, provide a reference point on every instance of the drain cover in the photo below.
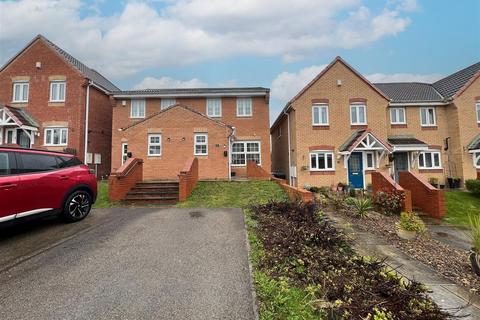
(195, 214)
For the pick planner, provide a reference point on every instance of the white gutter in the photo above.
(289, 149)
(87, 110)
(173, 95)
(99, 88)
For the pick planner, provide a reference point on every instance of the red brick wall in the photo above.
(255, 128)
(429, 199)
(124, 179)
(381, 182)
(294, 193)
(256, 172)
(188, 179)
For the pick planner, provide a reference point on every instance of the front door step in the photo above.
(158, 192)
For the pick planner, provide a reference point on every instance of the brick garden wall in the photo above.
(256, 172)
(294, 193)
(382, 182)
(124, 179)
(188, 179)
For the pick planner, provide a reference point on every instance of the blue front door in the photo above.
(355, 170)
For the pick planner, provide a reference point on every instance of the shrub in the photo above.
(475, 232)
(338, 202)
(389, 203)
(325, 191)
(351, 192)
(473, 186)
(314, 189)
(360, 206)
(410, 221)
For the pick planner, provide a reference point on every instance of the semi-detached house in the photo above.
(340, 128)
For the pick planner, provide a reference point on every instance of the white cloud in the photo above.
(404, 77)
(142, 36)
(167, 82)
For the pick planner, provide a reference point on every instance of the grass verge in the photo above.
(460, 205)
(238, 194)
(102, 196)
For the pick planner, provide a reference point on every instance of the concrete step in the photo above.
(156, 185)
(130, 197)
(153, 192)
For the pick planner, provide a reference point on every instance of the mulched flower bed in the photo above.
(447, 260)
(310, 252)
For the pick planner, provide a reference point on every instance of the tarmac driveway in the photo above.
(124, 263)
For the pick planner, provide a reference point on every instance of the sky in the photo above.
(278, 44)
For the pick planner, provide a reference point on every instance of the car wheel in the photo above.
(77, 206)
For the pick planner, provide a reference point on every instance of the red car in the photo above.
(34, 182)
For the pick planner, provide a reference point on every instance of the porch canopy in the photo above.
(364, 140)
(15, 118)
(406, 143)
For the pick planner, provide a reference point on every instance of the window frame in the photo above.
(477, 110)
(244, 115)
(132, 116)
(325, 154)
(214, 115)
(195, 143)
(476, 159)
(357, 106)
(432, 153)
(162, 101)
(150, 144)
(58, 83)
(245, 152)
(14, 136)
(20, 84)
(396, 110)
(374, 160)
(434, 124)
(46, 143)
(320, 106)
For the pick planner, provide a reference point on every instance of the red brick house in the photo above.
(49, 99)
(222, 127)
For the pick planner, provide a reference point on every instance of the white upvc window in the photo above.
(20, 91)
(154, 145)
(476, 160)
(244, 107)
(320, 115)
(57, 91)
(214, 107)
(10, 135)
(397, 116)
(137, 109)
(321, 161)
(370, 160)
(167, 102)
(427, 117)
(429, 160)
(244, 151)
(358, 114)
(201, 144)
(477, 106)
(56, 136)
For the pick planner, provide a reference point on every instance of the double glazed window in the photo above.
(201, 144)
(476, 160)
(20, 91)
(429, 160)
(321, 161)
(358, 114)
(137, 109)
(320, 115)
(477, 106)
(244, 107)
(370, 160)
(245, 151)
(56, 136)
(57, 91)
(165, 103)
(397, 116)
(214, 107)
(427, 117)
(155, 145)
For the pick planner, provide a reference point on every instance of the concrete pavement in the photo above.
(124, 263)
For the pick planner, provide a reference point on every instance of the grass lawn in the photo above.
(102, 196)
(232, 194)
(460, 205)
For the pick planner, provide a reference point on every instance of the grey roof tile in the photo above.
(192, 91)
(451, 84)
(410, 92)
(405, 141)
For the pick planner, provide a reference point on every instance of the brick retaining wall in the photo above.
(381, 182)
(188, 179)
(124, 179)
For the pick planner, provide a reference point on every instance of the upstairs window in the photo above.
(321, 161)
(427, 117)
(137, 109)
(165, 103)
(56, 136)
(154, 145)
(244, 107)
(320, 115)
(478, 111)
(358, 114)
(397, 116)
(214, 107)
(20, 91)
(429, 160)
(201, 144)
(57, 91)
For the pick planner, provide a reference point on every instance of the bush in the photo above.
(473, 186)
(325, 191)
(410, 221)
(360, 206)
(389, 203)
(352, 192)
(475, 233)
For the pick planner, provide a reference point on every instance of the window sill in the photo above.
(154, 155)
(217, 117)
(19, 103)
(398, 125)
(250, 116)
(55, 145)
(321, 127)
(322, 173)
(429, 127)
(201, 155)
(136, 118)
(358, 126)
(430, 170)
(56, 104)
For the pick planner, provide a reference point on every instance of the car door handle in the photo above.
(63, 177)
(8, 186)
